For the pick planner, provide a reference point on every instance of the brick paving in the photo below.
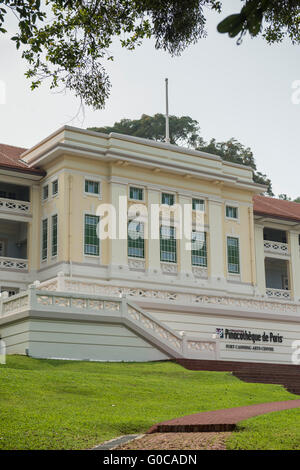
(220, 420)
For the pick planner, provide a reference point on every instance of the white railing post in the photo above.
(32, 300)
(124, 306)
(184, 344)
(3, 296)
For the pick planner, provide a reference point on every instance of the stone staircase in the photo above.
(281, 374)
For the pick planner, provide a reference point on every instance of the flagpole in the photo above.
(167, 139)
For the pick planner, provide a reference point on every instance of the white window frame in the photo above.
(236, 206)
(95, 179)
(86, 255)
(168, 192)
(138, 187)
(43, 188)
(53, 181)
(44, 260)
(200, 199)
(236, 276)
(51, 235)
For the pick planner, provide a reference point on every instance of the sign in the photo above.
(263, 339)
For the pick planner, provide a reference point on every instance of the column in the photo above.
(33, 230)
(153, 257)
(260, 259)
(118, 246)
(185, 255)
(216, 242)
(294, 264)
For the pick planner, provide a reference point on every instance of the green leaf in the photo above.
(230, 23)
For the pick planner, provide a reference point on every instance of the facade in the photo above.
(68, 294)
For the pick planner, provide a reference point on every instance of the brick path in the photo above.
(220, 420)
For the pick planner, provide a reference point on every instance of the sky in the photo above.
(242, 91)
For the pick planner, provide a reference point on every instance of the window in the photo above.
(136, 193)
(54, 235)
(2, 248)
(198, 205)
(45, 192)
(136, 242)
(91, 240)
(232, 212)
(168, 244)
(199, 249)
(167, 199)
(233, 255)
(54, 187)
(44, 239)
(92, 187)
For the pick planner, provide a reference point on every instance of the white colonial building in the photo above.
(66, 293)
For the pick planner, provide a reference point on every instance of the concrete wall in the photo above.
(77, 341)
(206, 324)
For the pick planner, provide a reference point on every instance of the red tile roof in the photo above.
(277, 208)
(10, 159)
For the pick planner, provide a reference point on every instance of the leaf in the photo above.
(230, 23)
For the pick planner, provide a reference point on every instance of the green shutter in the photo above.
(168, 252)
(233, 255)
(199, 249)
(91, 240)
(136, 242)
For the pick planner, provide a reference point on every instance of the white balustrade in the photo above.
(17, 207)
(14, 264)
(278, 294)
(276, 247)
(110, 309)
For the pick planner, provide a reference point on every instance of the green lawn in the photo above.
(47, 404)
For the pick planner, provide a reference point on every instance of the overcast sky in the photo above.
(233, 91)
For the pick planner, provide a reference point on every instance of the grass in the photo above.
(274, 431)
(48, 404)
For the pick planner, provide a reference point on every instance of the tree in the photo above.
(274, 20)
(235, 152)
(68, 41)
(185, 131)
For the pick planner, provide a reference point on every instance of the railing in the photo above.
(17, 264)
(278, 293)
(16, 207)
(274, 303)
(276, 247)
(116, 310)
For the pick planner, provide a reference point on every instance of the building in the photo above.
(67, 294)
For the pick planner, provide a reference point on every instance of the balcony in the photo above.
(275, 242)
(277, 279)
(14, 199)
(277, 248)
(13, 245)
(17, 264)
(15, 207)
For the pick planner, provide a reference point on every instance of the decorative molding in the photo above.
(16, 207)
(136, 264)
(169, 268)
(276, 247)
(200, 272)
(279, 293)
(14, 264)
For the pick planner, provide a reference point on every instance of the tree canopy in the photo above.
(68, 42)
(185, 131)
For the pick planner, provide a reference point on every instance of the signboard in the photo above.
(258, 341)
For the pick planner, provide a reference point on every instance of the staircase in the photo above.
(281, 374)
